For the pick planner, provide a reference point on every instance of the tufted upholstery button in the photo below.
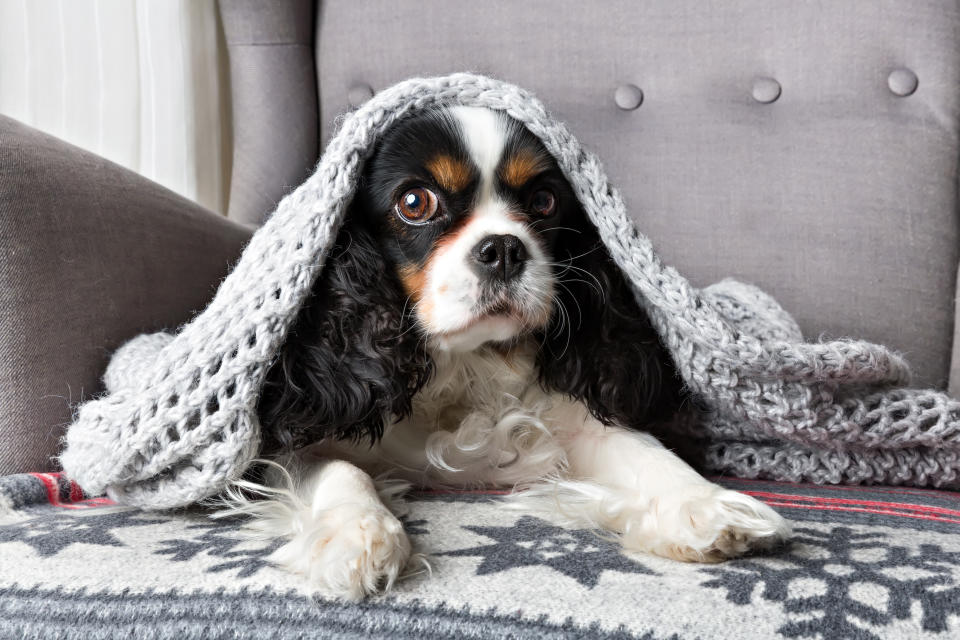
(766, 90)
(902, 82)
(358, 94)
(628, 97)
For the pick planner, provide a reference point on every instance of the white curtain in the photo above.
(141, 82)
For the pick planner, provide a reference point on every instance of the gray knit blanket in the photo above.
(178, 421)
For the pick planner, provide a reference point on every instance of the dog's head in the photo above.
(469, 207)
(463, 233)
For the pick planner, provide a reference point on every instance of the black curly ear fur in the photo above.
(601, 348)
(352, 357)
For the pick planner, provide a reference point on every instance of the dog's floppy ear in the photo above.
(600, 347)
(352, 357)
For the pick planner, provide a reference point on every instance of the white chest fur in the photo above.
(483, 419)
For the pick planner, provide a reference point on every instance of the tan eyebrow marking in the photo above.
(522, 167)
(450, 173)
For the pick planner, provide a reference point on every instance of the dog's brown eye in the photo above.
(417, 204)
(543, 202)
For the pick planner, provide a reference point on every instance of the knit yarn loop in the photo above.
(178, 421)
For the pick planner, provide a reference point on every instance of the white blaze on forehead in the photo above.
(485, 134)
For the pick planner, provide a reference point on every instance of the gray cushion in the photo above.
(274, 94)
(827, 189)
(90, 255)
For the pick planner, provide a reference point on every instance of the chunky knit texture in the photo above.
(179, 419)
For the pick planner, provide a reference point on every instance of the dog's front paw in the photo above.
(348, 551)
(706, 524)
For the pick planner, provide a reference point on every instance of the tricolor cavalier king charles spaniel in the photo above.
(470, 329)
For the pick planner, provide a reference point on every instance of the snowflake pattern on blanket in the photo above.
(844, 579)
(864, 563)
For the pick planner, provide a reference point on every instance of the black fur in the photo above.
(352, 357)
(603, 351)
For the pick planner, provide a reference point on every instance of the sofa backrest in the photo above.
(810, 148)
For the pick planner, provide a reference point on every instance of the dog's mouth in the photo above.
(479, 330)
(508, 304)
(502, 301)
(498, 320)
(492, 312)
(500, 312)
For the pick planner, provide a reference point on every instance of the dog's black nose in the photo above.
(499, 258)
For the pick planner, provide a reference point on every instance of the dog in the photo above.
(469, 329)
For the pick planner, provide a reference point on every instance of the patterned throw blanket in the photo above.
(866, 563)
(179, 421)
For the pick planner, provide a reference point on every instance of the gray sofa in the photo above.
(809, 148)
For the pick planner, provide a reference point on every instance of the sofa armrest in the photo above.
(91, 254)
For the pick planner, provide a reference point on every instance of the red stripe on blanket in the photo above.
(921, 508)
(51, 482)
(825, 507)
(76, 493)
(953, 495)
